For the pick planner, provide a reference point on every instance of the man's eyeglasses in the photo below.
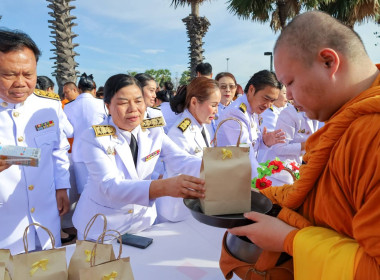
(232, 86)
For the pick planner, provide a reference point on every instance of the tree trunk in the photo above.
(64, 48)
(282, 12)
(196, 29)
(195, 8)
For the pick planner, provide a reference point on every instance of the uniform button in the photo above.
(31, 187)
(20, 139)
(32, 210)
(4, 104)
(16, 114)
(130, 211)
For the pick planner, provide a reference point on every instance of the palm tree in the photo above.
(64, 48)
(196, 29)
(352, 11)
(262, 10)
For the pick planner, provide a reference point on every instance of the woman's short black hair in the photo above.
(86, 83)
(13, 40)
(44, 82)
(117, 82)
(263, 79)
(144, 78)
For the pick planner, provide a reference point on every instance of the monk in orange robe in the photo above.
(330, 217)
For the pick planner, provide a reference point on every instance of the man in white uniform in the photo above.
(83, 112)
(30, 194)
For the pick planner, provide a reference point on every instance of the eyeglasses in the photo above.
(231, 86)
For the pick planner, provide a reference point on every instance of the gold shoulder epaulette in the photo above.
(45, 94)
(104, 130)
(243, 107)
(153, 122)
(184, 124)
(271, 108)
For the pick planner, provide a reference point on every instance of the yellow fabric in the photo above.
(320, 253)
(40, 264)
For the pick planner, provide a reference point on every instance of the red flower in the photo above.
(263, 183)
(278, 166)
(294, 166)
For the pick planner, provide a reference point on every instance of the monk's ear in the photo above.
(329, 59)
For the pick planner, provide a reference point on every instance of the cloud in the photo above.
(152, 51)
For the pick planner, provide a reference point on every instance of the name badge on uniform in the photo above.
(44, 125)
(152, 155)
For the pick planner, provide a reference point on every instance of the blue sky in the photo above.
(116, 36)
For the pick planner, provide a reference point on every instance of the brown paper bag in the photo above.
(7, 260)
(4, 274)
(82, 254)
(227, 175)
(42, 265)
(119, 269)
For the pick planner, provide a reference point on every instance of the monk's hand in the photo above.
(274, 137)
(267, 232)
(3, 165)
(63, 202)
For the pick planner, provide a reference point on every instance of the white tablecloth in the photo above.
(187, 250)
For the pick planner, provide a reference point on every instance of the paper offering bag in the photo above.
(4, 274)
(227, 175)
(6, 260)
(119, 269)
(42, 265)
(82, 254)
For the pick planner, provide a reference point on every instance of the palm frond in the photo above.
(177, 3)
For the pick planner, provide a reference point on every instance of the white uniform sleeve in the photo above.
(60, 155)
(288, 124)
(228, 132)
(177, 161)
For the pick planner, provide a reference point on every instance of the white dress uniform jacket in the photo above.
(84, 111)
(187, 134)
(153, 113)
(119, 190)
(228, 132)
(269, 118)
(214, 124)
(169, 116)
(28, 194)
(297, 127)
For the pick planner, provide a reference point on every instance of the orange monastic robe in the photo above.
(339, 186)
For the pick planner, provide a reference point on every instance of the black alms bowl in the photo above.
(259, 203)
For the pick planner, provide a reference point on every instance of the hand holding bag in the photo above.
(227, 173)
(82, 254)
(119, 269)
(41, 265)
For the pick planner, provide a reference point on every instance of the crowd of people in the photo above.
(136, 151)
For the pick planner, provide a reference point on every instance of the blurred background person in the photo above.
(83, 112)
(45, 83)
(99, 93)
(204, 69)
(148, 85)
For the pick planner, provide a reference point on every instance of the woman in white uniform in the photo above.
(148, 85)
(198, 103)
(227, 86)
(120, 155)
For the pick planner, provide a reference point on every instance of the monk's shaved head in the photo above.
(307, 33)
